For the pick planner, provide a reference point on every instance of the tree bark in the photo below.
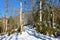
(40, 10)
(21, 25)
(40, 14)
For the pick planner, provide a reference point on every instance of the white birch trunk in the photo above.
(21, 15)
(40, 11)
(40, 14)
(6, 24)
(4, 31)
(53, 20)
(6, 16)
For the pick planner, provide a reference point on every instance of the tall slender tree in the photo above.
(40, 10)
(6, 16)
(21, 25)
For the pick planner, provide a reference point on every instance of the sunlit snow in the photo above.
(29, 34)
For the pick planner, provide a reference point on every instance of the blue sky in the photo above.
(13, 5)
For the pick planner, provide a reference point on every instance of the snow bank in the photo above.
(29, 34)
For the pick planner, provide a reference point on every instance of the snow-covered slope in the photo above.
(29, 34)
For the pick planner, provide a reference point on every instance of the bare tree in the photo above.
(21, 15)
(6, 16)
(40, 10)
(40, 14)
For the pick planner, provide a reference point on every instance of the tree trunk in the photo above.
(6, 16)
(40, 13)
(53, 20)
(21, 25)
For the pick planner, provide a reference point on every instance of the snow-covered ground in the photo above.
(29, 34)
